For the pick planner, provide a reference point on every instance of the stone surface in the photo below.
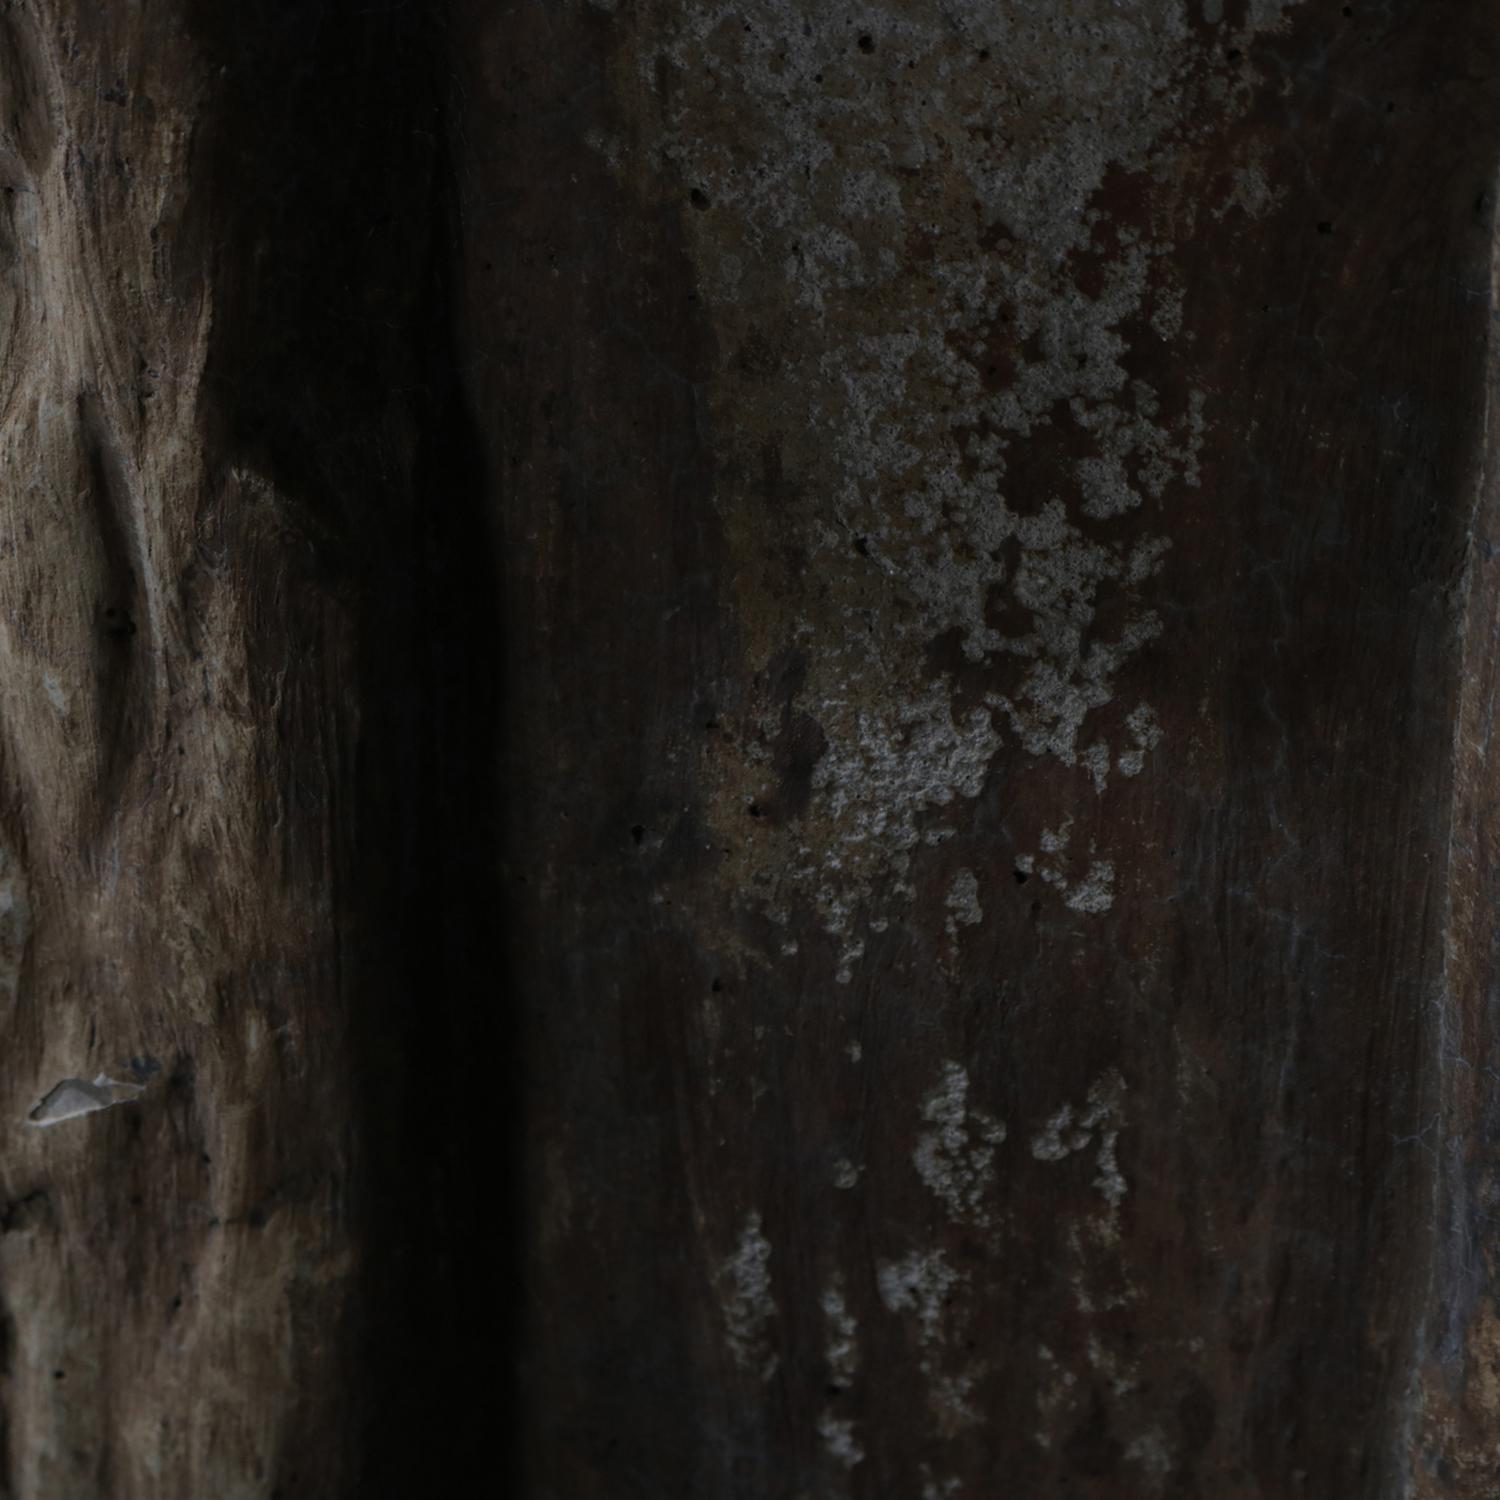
(224, 761)
(838, 658)
(1000, 619)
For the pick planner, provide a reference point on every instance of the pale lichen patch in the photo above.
(841, 1330)
(1060, 1136)
(920, 1284)
(845, 1174)
(1151, 1451)
(956, 1160)
(940, 348)
(1095, 893)
(963, 902)
(1110, 1182)
(1056, 1395)
(1118, 1372)
(841, 1352)
(878, 773)
(1096, 759)
(849, 955)
(1146, 731)
(935, 1296)
(839, 1440)
(951, 1399)
(1091, 892)
(1071, 1129)
(744, 1285)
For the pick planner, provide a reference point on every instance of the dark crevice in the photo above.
(334, 373)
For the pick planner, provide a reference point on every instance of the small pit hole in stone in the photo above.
(1325, 226)
(1021, 876)
(867, 43)
(699, 199)
(638, 832)
(754, 810)
(117, 623)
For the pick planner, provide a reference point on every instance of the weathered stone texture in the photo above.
(225, 348)
(998, 622)
(841, 655)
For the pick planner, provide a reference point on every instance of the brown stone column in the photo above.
(997, 614)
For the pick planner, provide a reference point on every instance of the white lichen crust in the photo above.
(929, 328)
